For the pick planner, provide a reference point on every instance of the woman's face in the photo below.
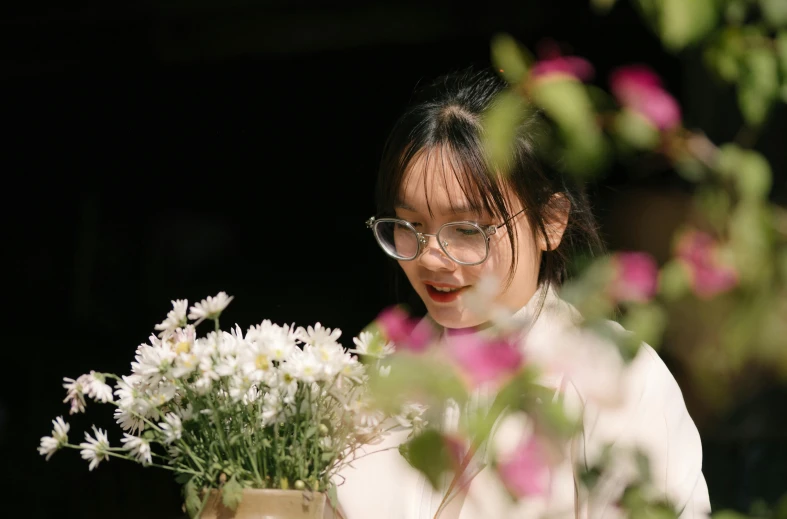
(432, 272)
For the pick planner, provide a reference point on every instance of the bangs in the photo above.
(433, 167)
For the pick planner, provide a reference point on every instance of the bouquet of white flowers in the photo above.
(277, 407)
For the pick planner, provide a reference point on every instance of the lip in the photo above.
(443, 297)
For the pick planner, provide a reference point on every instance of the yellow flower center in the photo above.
(262, 362)
(183, 347)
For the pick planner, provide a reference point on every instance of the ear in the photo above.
(556, 214)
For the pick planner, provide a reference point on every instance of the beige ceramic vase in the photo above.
(272, 504)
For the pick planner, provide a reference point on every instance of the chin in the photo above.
(453, 317)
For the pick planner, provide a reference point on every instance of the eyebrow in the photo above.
(454, 210)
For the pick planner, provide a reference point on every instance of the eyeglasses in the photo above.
(466, 243)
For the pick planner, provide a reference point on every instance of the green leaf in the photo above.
(759, 85)
(728, 514)
(602, 6)
(683, 22)
(774, 12)
(332, 496)
(510, 58)
(636, 131)
(192, 500)
(673, 280)
(500, 126)
(311, 431)
(182, 479)
(735, 11)
(781, 51)
(748, 169)
(232, 493)
(647, 322)
(429, 454)
(568, 104)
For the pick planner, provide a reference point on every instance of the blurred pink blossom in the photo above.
(638, 88)
(571, 66)
(635, 278)
(699, 251)
(525, 472)
(484, 359)
(405, 332)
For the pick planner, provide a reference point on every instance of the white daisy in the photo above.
(176, 318)
(371, 345)
(75, 393)
(209, 308)
(128, 421)
(138, 448)
(318, 335)
(48, 447)
(50, 444)
(172, 427)
(97, 389)
(95, 449)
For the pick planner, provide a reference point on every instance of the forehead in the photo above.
(435, 182)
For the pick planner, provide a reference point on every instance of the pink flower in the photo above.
(571, 66)
(405, 332)
(525, 472)
(698, 251)
(638, 88)
(484, 359)
(636, 277)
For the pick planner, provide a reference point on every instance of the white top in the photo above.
(651, 415)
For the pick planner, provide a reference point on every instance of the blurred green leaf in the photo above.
(416, 377)
(759, 84)
(647, 322)
(748, 169)
(774, 12)
(428, 453)
(715, 203)
(510, 58)
(635, 130)
(567, 103)
(192, 500)
(684, 22)
(500, 123)
(735, 11)
(603, 6)
(781, 52)
(750, 242)
(723, 54)
(728, 514)
(232, 493)
(674, 281)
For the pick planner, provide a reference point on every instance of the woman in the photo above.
(449, 222)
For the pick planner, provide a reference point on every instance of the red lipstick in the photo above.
(443, 297)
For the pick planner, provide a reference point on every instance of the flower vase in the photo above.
(272, 504)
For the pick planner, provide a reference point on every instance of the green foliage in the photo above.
(232, 493)
(500, 123)
(510, 59)
(774, 12)
(758, 87)
(191, 498)
(748, 169)
(567, 103)
(636, 131)
(429, 454)
(683, 23)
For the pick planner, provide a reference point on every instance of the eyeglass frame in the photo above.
(487, 230)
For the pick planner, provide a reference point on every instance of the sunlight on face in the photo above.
(440, 282)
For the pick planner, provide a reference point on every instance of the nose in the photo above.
(432, 256)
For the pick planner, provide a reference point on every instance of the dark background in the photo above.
(176, 149)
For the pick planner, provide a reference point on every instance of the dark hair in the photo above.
(446, 116)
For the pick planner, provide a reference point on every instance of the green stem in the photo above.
(129, 458)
